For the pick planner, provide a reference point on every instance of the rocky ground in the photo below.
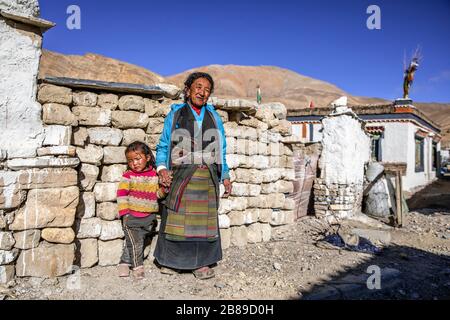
(414, 263)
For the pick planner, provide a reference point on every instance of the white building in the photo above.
(400, 134)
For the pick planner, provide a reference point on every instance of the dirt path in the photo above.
(415, 265)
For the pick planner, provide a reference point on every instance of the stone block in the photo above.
(224, 206)
(254, 233)
(249, 133)
(7, 240)
(88, 176)
(224, 221)
(88, 252)
(7, 273)
(89, 116)
(251, 215)
(258, 162)
(88, 228)
(129, 119)
(265, 215)
(239, 189)
(46, 261)
(289, 204)
(91, 154)
(108, 101)
(131, 102)
(152, 140)
(113, 173)
(111, 230)
(49, 93)
(155, 125)
(8, 256)
(55, 135)
(266, 232)
(86, 205)
(58, 235)
(42, 162)
(132, 135)
(239, 236)
(254, 190)
(105, 191)
(238, 203)
(225, 238)
(57, 151)
(47, 208)
(80, 136)
(231, 145)
(107, 211)
(11, 196)
(113, 155)
(271, 175)
(105, 136)
(53, 113)
(109, 252)
(84, 98)
(237, 218)
(27, 239)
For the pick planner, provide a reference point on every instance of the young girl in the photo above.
(137, 199)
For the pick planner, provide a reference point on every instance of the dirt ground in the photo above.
(414, 264)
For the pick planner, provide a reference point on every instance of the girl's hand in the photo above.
(165, 177)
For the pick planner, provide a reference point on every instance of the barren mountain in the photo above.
(277, 84)
(94, 67)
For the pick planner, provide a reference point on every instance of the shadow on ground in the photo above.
(434, 196)
(406, 273)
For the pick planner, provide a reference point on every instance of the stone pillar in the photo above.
(346, 149)
(20, 115)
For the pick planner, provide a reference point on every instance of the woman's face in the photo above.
(199, 92)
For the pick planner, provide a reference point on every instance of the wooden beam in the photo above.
(44, 25)
(120, 87)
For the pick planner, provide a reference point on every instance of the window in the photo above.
(434, 157)
(419, 146)
(376, 147)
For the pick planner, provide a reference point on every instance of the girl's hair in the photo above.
(140, 146)
(194, 76)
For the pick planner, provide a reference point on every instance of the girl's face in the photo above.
(137, 160)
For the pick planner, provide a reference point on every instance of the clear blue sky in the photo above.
(327, 40)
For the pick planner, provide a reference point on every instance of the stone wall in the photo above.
(58, 209)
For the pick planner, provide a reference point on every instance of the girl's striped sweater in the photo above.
(138, 193)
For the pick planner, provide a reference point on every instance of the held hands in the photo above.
(228, 188)
(165, 177)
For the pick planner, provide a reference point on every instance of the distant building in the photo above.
(400, 133)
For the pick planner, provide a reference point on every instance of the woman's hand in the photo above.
(165, 177)
(228, 187)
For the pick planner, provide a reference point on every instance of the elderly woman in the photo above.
(190, 158)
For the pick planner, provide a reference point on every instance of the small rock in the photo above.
(277, 266)
(219, 285)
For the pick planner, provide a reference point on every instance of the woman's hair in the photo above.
(140, 146)
(194, 76)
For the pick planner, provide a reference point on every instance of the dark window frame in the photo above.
(375, 147)
(421, 166)
(434, 156)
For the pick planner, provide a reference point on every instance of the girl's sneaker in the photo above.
(123, 270)
(139, 273)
